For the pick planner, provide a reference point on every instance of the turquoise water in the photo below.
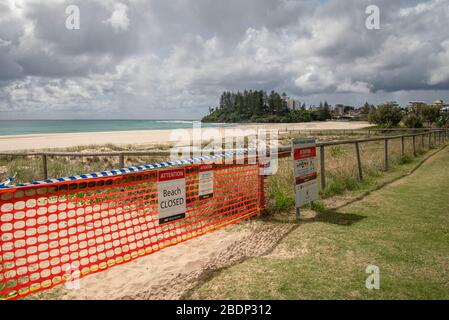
(15, 127)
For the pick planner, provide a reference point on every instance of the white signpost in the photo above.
(171, 195)
(304, 171)
(206, 181)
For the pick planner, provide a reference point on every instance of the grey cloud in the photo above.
(175, 54)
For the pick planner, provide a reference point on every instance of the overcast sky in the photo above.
(171, 59)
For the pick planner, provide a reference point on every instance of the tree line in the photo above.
(260, 106)
(389, 115)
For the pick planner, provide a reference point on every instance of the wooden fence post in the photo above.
(414, 146)
(122, 160)
(322, 168)
(359, 161)
(44, 166)
(402, 146)
(386, 154)
(430, 140)
(262, 204)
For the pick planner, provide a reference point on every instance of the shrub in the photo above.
(413, 121)
(386, 115)
(443, 121)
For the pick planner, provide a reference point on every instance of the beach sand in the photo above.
(174, 271)
(149, 137)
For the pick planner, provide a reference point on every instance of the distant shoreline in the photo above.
(144, 137)
(21, 127)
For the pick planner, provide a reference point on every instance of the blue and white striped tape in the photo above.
(7, 182)
(116, 172)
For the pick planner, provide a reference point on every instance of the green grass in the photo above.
(403, 229)
(341, 171)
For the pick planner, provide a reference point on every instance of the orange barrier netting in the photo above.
(58, 232)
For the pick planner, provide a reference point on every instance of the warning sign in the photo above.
(206, 181)
(171, 195)
(304, 171)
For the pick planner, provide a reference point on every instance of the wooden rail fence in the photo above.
(434, 136)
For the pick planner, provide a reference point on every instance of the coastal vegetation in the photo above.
(389, 115)
(262, 107)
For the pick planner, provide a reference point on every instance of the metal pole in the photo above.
(359, 161)
(322, 168)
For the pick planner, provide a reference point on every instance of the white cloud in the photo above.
(420, 8)
(119, 20)
(353, 87)
(4, 43)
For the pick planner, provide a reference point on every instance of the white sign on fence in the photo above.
(206, 181)
(171, 189)
(304, 171)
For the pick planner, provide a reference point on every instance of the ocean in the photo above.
(18, 127)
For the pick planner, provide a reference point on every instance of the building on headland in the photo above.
(438, 103)
(339, 109)
(393, 103)
(343, 112)
(416, 106)
(292, 104)
(444, 107)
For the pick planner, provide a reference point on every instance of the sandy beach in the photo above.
(148, 137)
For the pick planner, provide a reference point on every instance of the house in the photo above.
(438, 103)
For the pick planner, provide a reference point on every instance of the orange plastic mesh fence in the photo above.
(59, 232)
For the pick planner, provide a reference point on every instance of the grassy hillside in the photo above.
(403, 229)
